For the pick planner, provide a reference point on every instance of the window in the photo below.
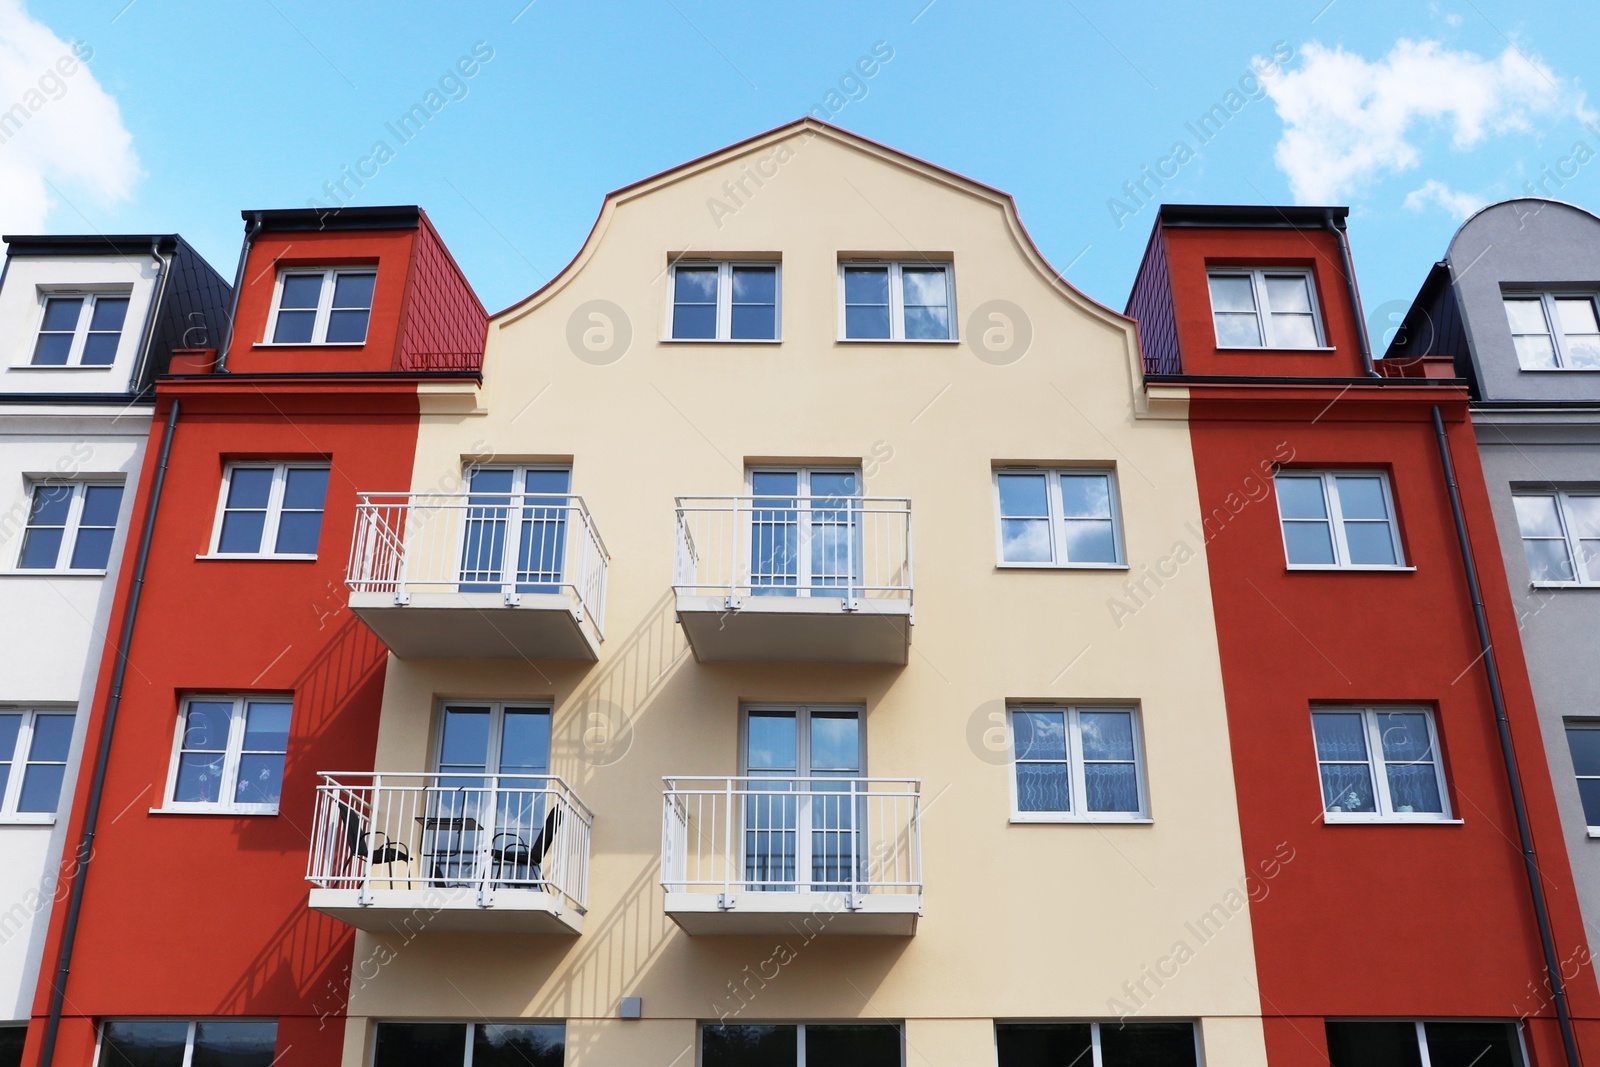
(800, 835)
(1265, 309)
(516, 517)
(70, 526)
(897, 301)
(12, 1038)
(1343, 519)
(1076, 763)
(1061, 518)
(806, 532)
(1379, 763)
(271, 509)
(80, 331)
(1553, 331)
(1170, 1044)
(473, 832)
(1583, 739)
(33, 761)
(801, 1045)
(1394, 1043)
(470, 1045)
(322, 307)
(1561, 536)
(175, 1043)
(725, 301)
(229, 754)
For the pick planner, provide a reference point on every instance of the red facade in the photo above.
(1380, 919)
(203, 915)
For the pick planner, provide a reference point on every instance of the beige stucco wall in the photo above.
(1021, 920)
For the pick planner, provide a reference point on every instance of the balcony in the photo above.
(480, 575)
(404, 853)
(780, 855)
(795, 580)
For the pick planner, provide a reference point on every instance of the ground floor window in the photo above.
(180, 1043)
(11, 1039)
(1396, 1043)
(470, 1045)
(801, 1045)
(1170, 1044)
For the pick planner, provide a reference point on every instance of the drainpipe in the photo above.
(238, 282)
(1362, 341)
(91, 818)
(158, 292)
(1552, 964)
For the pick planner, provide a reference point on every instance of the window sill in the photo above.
(897, 340)
(64, 366)
(20, 572)
(721, 341)
(1559, 370)
(1054, 819)
(1564, 585)
(1003, 566)
(309, 344)
(1594, 831)
(1330, 818)
(1265, 348)
(1364, 568)
(27, 819)
(212, 809)
(258, 556)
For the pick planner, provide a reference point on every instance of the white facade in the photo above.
(29, 280)
(53, 622)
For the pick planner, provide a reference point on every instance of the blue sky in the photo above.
(1409, 113)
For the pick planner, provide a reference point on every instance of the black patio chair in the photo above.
(365, 845)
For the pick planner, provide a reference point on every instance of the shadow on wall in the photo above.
(336, 700)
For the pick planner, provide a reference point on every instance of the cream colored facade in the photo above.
(1020, 921)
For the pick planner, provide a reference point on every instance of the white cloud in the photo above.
(1434, 191)
(56, 128)
(1348, 121)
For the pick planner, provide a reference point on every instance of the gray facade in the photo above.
(1538, 435)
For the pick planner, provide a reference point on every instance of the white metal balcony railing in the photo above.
(475, 835)
(758, 546)
(852, 836)
(513, 544)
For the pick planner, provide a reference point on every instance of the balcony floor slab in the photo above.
(447, 625)
(407, 912)
(809, 914)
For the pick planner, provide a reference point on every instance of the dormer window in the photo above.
(321, 307)
(1265, 309)
(1554, 331)
(80, 330)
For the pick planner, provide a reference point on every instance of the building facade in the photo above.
(1520, 328)
(85, 322)
(244, 672)
(1365, 726)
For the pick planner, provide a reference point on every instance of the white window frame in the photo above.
(1058, 521)
(497, 718)
(1592, 726)
(223, 805)
(1552, 321)
(1422, 1032)
(800, 1032)
(80, 332)
(69, 536)
(319, 328)
(1574, 549)
(897, 310)
(12, 793)
(471, 1028)
(1377, 766)
(1330, 501)
(1258, 287)
(1075, 765)
(724, 332)
(269, 530)
(188, 1046)
(1096, 1057)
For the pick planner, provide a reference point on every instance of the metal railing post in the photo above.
(727, 848)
